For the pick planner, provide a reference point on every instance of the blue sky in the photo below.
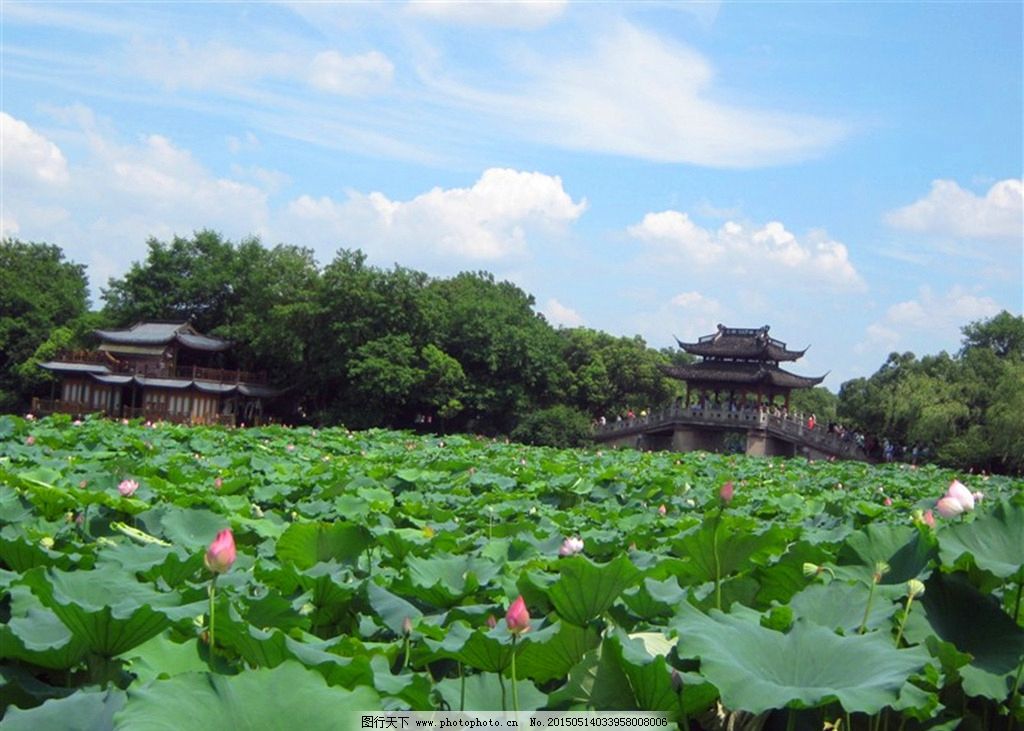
(849, 173)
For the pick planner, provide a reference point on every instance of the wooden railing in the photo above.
(158, 369)
(789, 428)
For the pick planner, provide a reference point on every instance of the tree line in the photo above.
(364, 346)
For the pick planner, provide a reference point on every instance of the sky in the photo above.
(848, 173)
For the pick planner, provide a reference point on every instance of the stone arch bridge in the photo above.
(681, 429)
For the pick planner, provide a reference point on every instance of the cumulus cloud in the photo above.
(559, 314)
(941, 316)
(104, 205)
(27, 156)
(748, 250)
(636, 94)
(486, 221)
(949, 210)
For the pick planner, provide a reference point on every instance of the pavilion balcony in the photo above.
(158, 369)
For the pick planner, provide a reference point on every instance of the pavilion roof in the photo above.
(742, 344)
(726, 374)
(149, 334)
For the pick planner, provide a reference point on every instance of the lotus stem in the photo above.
(462, 688)
(867, 610)
(213, 597)
(515, 691)
(1016, 606)
(915, 588)
(718, 561)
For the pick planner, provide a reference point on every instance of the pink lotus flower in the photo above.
(662, 510)
(887, 502)
(961, 494)
(30, 440)
(221, 553)
(127, 488)
(928, 518)
(83, 484)
(949, 507)
(218, 483)
(571, 546)
(290, 447)
(517, 618)
(30, 417)
(726, 493)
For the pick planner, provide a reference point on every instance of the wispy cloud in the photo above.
(634, 93)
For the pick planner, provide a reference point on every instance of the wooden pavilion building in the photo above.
(156, 370)
(739, 368)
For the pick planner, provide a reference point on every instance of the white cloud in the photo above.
(949, 210)
(487, 221)
(350, 75)
(496, 13)
(113, 195)
(939, 316)
(224, 68)
(701, 314)
(636, 94)
(559, 314)
(747, 250)
(27, 156)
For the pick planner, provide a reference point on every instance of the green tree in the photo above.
(39, 291)
(184, 280)
(556, 426)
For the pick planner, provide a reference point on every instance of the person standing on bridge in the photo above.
(811, 421)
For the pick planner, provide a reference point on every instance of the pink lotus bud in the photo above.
(726, 493)
(76, 422)
(221, 553)
(517, 618)
(30, 440)
(290, 447)
(83, 484)
(30, 417)
(928, 518)
(218, 482)
(407, 626)
(571, 546)
(949, 507)
(662, 510)
(491, 621)
(127, 488)
(887, 502)
(961, 494)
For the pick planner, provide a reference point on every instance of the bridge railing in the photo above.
(791, 427)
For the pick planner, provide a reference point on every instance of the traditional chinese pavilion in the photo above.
(738, 367)
(157, 370)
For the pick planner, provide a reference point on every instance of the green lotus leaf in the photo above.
(36, 635)
(107, 610)
(584, 589)
(956, 612)
(390, 609)
(21, 554)
(840, 606)
(488, 692)
(995, 541)
(162, 657)
(551, 657)
(270, 648)
(283, 698)
(307, 544)
(173, 564)
(415, 689)
(654, 599)
(444, 580)
(649, 675)
(903, 548)
(191, 528)
(739, 547)
(86, 710)
(757, 669)
(331, 588)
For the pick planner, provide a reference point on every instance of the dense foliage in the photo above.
(965, 410)
(41, 298)
(708, 587)
(365, 346)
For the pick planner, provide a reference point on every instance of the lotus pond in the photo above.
(374, 570)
